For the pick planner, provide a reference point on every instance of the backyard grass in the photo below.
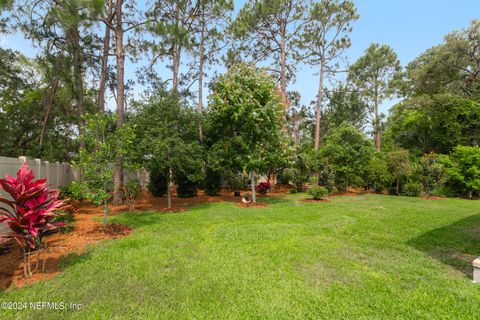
(368, 256)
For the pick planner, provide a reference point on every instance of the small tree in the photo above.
(348, 151)
(377, 173)
(167, 141)
(244, 121)
(464, 168)
(400, 166)
(103, 144)
(432, 173)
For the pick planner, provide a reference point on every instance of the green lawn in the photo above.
(369, 256)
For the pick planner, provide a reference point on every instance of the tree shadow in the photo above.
(456, 245)
(10, 258)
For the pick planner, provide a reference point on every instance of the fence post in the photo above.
(23, 160)
(47, 171)
(57, 166)
(38, 163)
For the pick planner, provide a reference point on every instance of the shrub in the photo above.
(263, 187)
(347, 152)
(211, 182)
(66, 218)
(317, 192)
(400, 166)
(236, 181)
(464, 169)
(431, 173)
(412, 189)
(30, 212)
(185, 187)
(131, 192)
(293, 191)
(157, 185)
(73, 191)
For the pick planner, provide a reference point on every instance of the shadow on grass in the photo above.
(456, 245)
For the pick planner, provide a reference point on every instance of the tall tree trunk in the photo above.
(169, 189)
(252, 179)
(283, 71)
(376, 129)
(105, 54)
(200, 80)
(120, 57)
(78, 79)
(398, 186)
(176, 66)
(176, 52)
(48, 103)
(318, 117)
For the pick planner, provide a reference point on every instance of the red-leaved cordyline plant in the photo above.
(31, 209)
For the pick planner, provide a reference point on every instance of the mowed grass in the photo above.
(369, 256)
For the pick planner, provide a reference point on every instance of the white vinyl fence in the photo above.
(57, 174)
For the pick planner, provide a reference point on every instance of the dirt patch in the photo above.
(313, 200)
(252, 205)
(109, 231)
(433, 198)
(345, 194)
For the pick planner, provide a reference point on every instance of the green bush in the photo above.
(293, 191)
(158, 182)
(318, 193)
(73, 191)
(431, 173)
(185, 187)
(236, 181)
(412, 189)
(463, 168)
(67, 218)
(131, 192)
(212, 182)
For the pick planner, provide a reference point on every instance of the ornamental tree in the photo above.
(166, 131)
(103, 144)
(348, 151)
(244, 122)
(399, 165)
(30, 211)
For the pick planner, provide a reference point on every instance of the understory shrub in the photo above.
(131, 192)
(30, 212)
(412, 189)
(236, 181)
(463, 167)
(73, 191)
(317, 192)
(212, 182)
(185, 187)
(431, 173)
(65, 219)
(158, 182)
(263, 187)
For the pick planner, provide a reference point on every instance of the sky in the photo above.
(409, 26)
